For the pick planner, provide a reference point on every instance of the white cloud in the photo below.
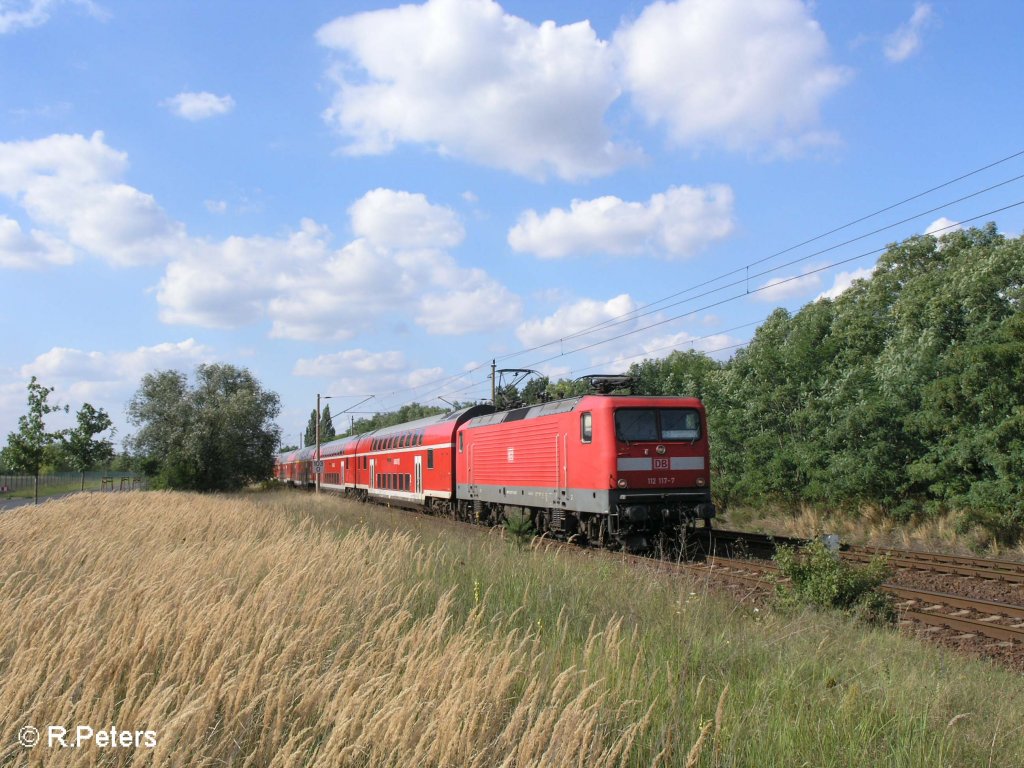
(23, 14)
(108, 379)
(575, 317)
(396, 219)
(732, 73)
(64, 364)
(942, 226)
(351, 360)
(216, 206)
(25, 250)
(788, 287)
(675, 223)
(69, 187)
(631, 350)
(383, 382)
(14, 15)
(480, 304)
(313, 291)
(69, 190)
(844, 280)
(532, 99)
(199, 106)
(906, 41)
(469, 80)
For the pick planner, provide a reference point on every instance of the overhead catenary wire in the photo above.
(636, 312)
(736, 296)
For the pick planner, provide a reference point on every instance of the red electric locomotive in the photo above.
(615, 469)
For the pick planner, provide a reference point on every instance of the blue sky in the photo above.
(359, 198)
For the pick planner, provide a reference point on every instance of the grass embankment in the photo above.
(282, 629)
(870, 526)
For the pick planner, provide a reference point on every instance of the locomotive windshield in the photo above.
(635, 425)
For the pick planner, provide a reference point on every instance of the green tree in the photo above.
(26, 448)
(81, 445)
(309, 438)
(217, 435)
(535, 391)
(327, 431)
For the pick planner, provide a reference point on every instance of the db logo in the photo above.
(661, 463)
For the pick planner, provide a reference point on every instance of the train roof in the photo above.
(336, 446)
(527, 412)
(564, 406)
(428, 421)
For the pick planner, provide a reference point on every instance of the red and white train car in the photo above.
(411, 464)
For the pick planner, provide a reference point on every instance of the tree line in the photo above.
(905, 393)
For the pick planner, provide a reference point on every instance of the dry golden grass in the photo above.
(284, 629)
(243, 638)
(871, 526)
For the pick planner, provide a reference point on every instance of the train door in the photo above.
(372, 482)
(342, 473)
(418, 476)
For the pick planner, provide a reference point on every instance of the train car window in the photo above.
(636, 424)
(586, 427)
(680, 424)
(430, 458)
(419, 438)
(649, 424)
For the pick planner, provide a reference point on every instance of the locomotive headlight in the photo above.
(622, 482)
(660, 449)
(700, 481)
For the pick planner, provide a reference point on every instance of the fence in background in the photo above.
(72, 481)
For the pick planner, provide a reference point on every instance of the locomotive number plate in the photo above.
(661, 481)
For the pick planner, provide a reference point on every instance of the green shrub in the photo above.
(521, 530)
(817, 577)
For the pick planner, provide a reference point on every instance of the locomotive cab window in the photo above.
(634, 425)
(586, 427)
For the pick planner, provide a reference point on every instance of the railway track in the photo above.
(734, 543)
(975, 567)
(971, 616)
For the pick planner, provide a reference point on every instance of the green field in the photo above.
(286, 629)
